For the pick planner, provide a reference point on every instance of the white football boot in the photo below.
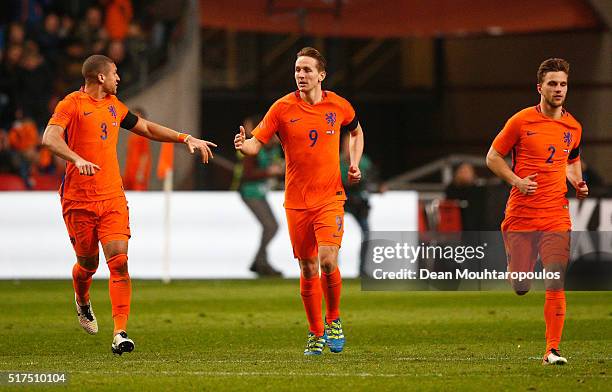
(553, 358)
(122, 344)
(86, 317)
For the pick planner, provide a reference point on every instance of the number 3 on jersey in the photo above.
(104, 134)
(313, 135)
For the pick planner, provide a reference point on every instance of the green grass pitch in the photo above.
(249, 335)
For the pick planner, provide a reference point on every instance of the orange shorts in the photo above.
(525, 238)
(91, 221)
(311, 228)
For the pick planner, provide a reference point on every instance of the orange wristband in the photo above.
(183, 137)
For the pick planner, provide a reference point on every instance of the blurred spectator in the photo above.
(253, 174)
(118, 16)
(123, 61)
(9, 84)
(138, 161)
(16, 34)
(465, 189)
(23, 140)
(48, 163)
(74, 54)
(49, 39)
(91, 32)
(67, 26)
(35, 85)
(7, 163)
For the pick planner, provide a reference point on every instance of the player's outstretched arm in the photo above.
(497, 164)
(574, 176)
(356, 143)
(246, 146)
(53, 139)
(158, 132)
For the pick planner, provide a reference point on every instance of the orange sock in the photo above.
(120, 290)
(332, 286)
(554, 315)
(81, 281)
(310, 289)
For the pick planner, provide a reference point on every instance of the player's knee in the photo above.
(115, 247)
(117, 265)
(309, 268)
(328, 261)
(89, 263)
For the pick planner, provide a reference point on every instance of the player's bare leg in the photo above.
(310, 289)
(82, 273)
(554, 313)
(331, 284)
(120, 290)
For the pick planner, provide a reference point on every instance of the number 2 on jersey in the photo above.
(313, 135)
(552, 154)
(104, 134)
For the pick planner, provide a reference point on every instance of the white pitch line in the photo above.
(295, 374)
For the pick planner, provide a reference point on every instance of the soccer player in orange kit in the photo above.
(83, 130)
(308, 123)
(545, 145)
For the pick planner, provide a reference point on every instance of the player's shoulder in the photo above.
(285, 102)
(74, 96)
(69, 102)
(522, 117)
(570, 120)
(335, 97)
(288, 99)
(115, 99)
(526, 114)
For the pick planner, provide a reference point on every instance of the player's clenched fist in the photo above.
(239, 139)
(86, 168)
(582, 190)
(354, 175)
(526, 185)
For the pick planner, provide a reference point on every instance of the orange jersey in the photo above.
(544, 146)
(23, 136)
(91, 129)
(138, 148)
(310, 136)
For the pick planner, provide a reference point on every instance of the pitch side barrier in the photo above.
(211, 235)
(488, 260)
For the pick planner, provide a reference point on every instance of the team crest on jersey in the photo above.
(112, 111)
(567, 138)
(330, 118)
